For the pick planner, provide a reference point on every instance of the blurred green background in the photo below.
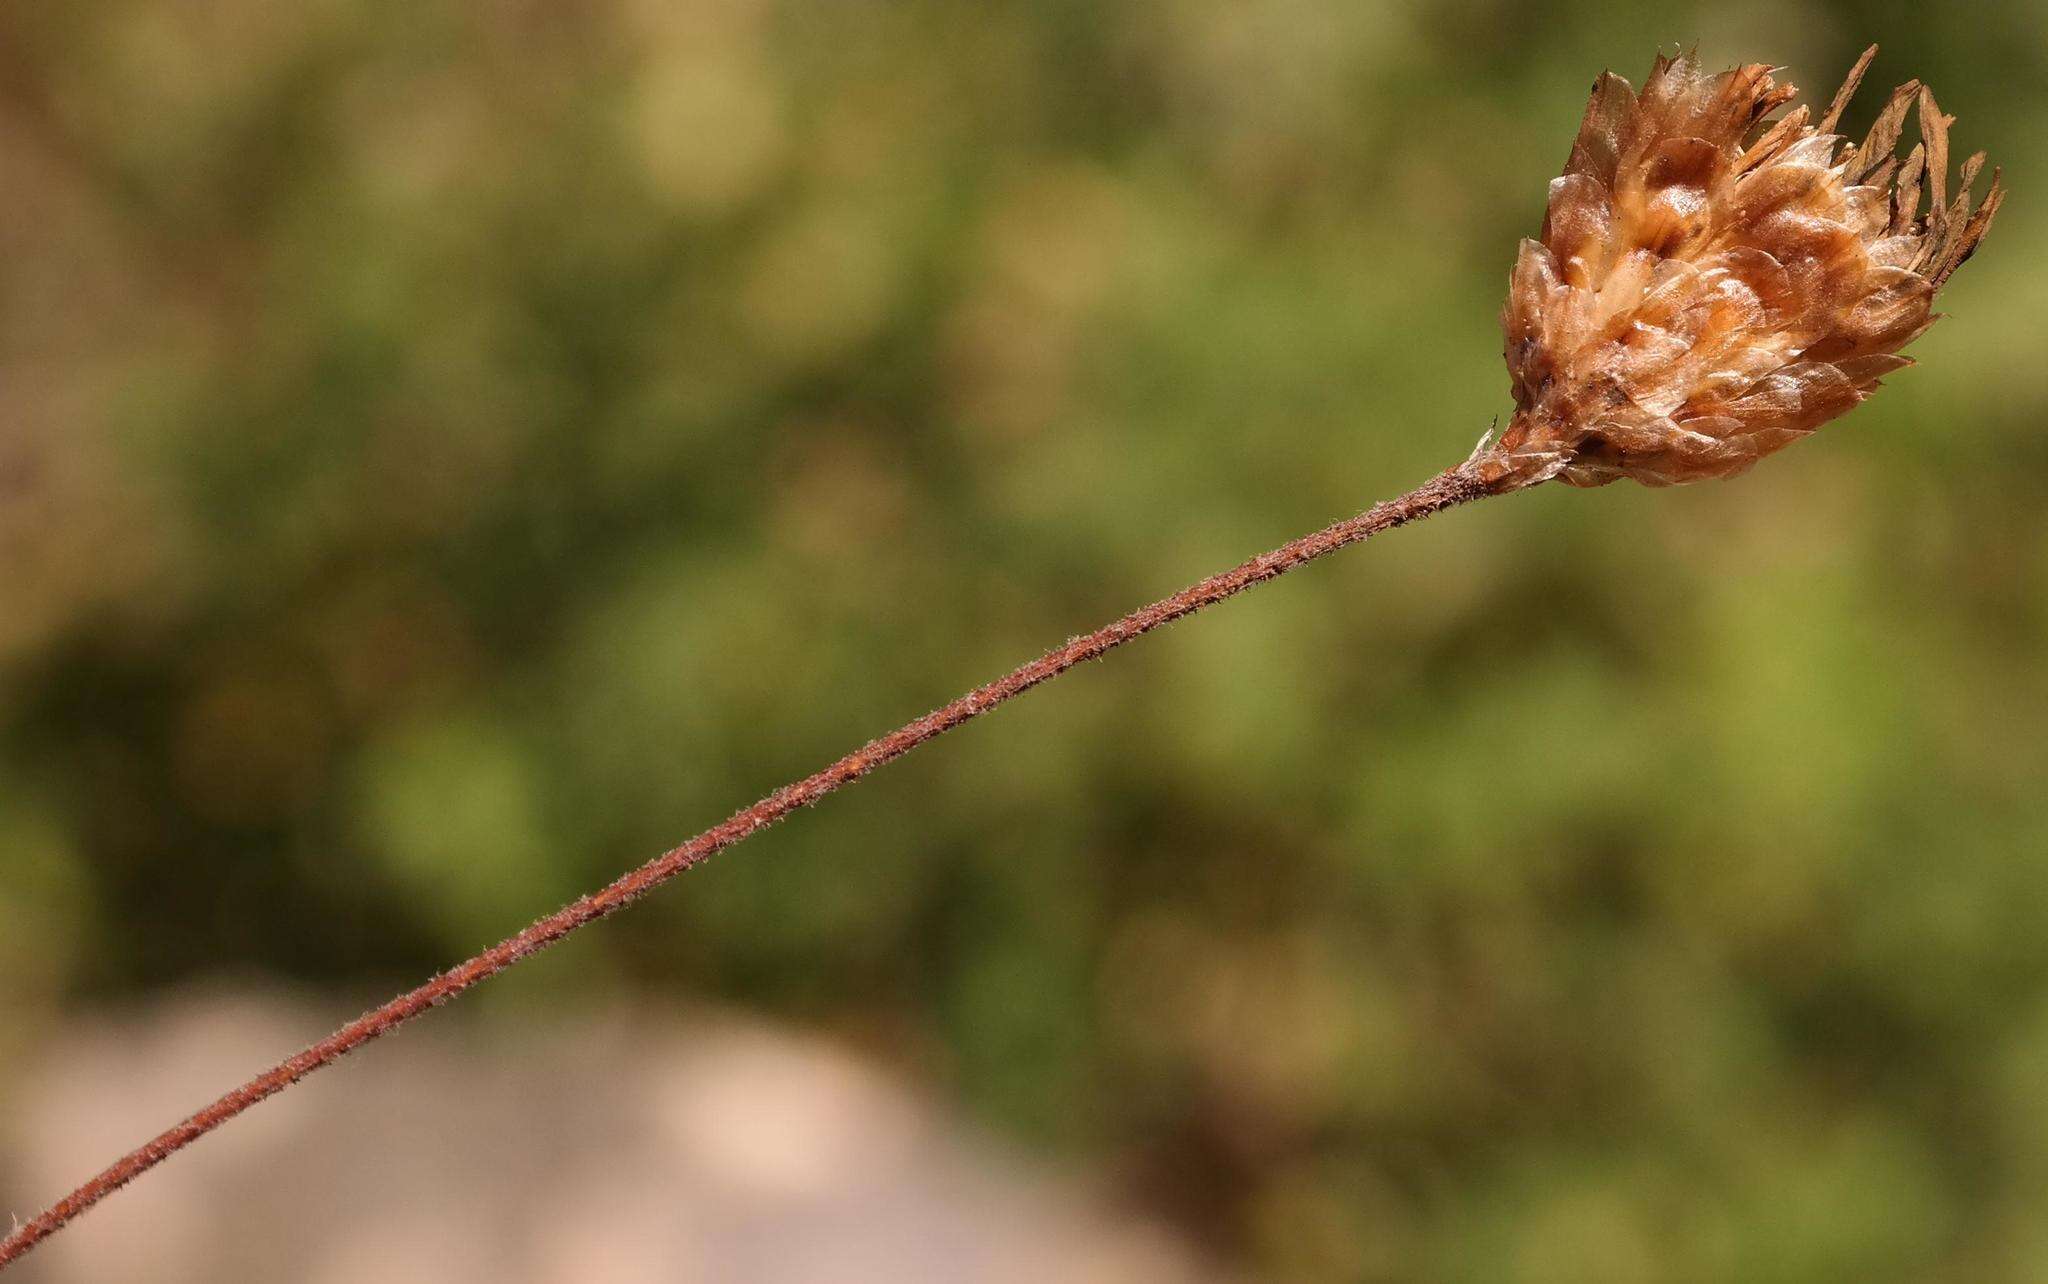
(451, 452)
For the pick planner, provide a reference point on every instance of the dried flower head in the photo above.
(1710, 287)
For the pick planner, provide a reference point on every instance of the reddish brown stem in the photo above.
(1446, 490)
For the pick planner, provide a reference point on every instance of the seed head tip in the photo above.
(1710, 286)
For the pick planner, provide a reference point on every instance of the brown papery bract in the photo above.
(1711, 286)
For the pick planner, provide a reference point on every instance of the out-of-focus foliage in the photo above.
(449, 452)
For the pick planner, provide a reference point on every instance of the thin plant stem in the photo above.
(1446, 490)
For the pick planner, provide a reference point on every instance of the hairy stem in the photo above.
(1446, 490)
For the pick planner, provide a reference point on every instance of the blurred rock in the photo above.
(632, 1147)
